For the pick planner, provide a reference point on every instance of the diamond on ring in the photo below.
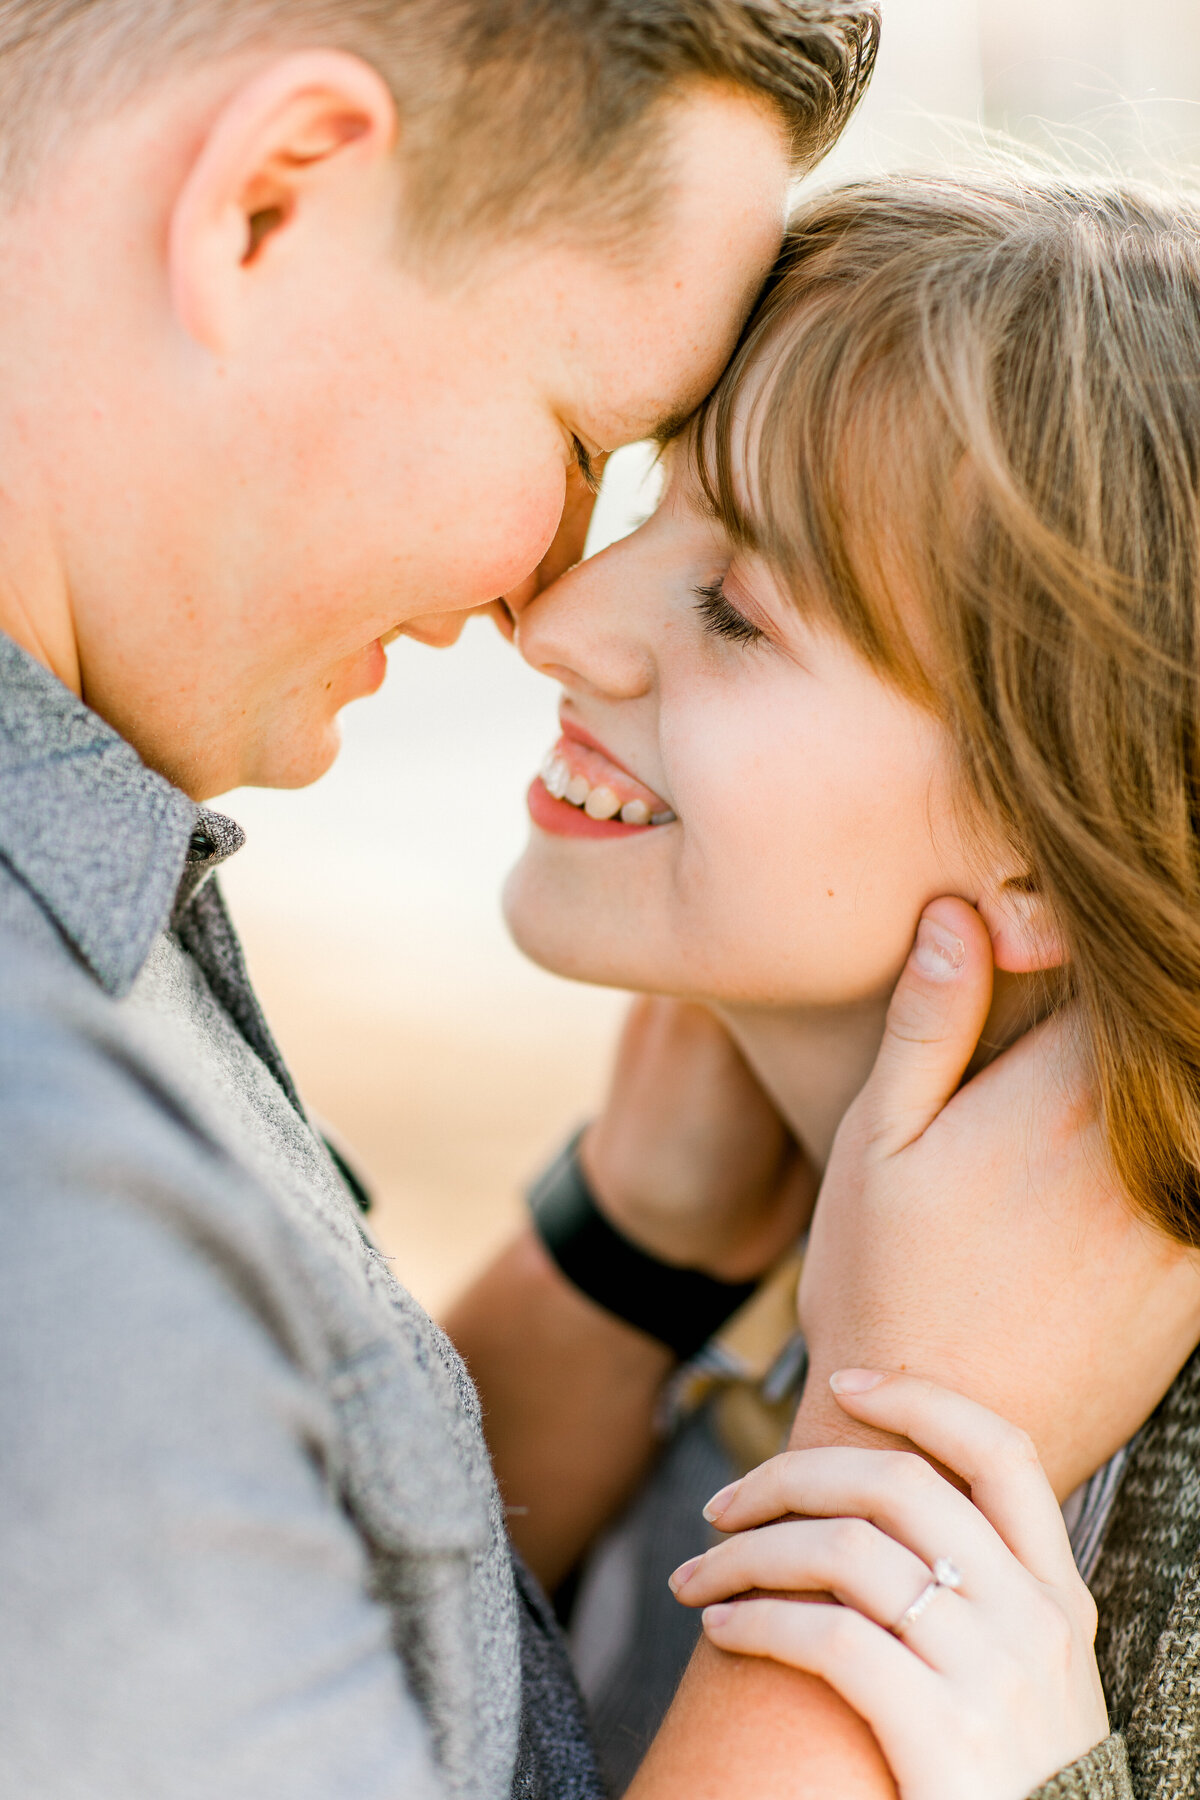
(946, 1574)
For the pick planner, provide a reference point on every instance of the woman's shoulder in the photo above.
(1147, 1588)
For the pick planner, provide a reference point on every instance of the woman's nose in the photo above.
(589, 628)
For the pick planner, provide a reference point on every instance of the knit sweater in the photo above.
(1147, 1588)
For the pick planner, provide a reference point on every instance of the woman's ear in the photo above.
(291, 138)
(1023, 933)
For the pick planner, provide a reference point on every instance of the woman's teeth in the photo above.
(598, 802)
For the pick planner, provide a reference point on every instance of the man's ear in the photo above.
(1024, 935)
(281, 144)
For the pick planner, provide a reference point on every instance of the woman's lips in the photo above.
(583, 792)
(561, 819)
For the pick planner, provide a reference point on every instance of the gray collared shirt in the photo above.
(250, 1544)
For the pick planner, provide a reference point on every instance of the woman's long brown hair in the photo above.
(965, 425)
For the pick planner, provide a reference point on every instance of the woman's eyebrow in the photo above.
(701, 502)
(698, 498)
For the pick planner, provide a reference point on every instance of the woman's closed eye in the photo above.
(722, 618)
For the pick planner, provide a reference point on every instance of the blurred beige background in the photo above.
(369, 903)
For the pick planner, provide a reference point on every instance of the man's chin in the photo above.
(294, 760)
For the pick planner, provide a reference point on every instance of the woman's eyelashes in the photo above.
(722, 618)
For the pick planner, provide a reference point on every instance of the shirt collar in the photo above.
(107, 847)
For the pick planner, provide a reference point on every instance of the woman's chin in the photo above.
(556, 935)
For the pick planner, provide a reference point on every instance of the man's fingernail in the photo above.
(855, 1381)
(717, 1615)
(939, 953)
(683, 1574)
(719, 1502)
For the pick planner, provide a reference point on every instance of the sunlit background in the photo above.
(369, 904)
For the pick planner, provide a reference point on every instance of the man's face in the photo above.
(378, 451)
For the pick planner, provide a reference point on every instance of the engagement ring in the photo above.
(945, 1575)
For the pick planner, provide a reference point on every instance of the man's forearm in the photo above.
(691, 1163)
(569, 1396)
(742, 1729)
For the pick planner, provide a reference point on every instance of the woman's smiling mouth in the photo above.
(582, 792)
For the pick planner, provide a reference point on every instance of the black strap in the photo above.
(682, 1308)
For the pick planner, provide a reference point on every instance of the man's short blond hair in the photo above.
(516, 113)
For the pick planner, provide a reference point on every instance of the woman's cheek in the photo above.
(781, 865)
(742, 860)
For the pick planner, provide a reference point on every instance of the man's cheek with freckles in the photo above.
(492, 541)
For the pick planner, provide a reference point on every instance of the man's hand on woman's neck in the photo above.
(978, 1234)
(814, 1061)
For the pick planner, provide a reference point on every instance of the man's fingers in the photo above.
(1042, 1084)
(933, 1025)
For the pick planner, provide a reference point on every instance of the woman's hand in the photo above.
(978, 1687)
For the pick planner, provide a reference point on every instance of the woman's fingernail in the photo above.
(939, 953)
(717, 1615)
(682, 1575)
(719, 1502)
(855, 1381)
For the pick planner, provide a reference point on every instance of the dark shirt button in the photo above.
(201, 845)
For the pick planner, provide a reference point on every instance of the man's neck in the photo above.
(44, 382)
(35, 609)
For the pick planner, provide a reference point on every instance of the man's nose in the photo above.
(567, 547)
(440, 630)
(503, 618)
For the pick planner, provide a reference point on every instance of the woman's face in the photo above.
(813, 804)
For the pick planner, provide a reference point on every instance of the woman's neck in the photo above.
(812, 1061)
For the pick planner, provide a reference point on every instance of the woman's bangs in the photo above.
(816, 462)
